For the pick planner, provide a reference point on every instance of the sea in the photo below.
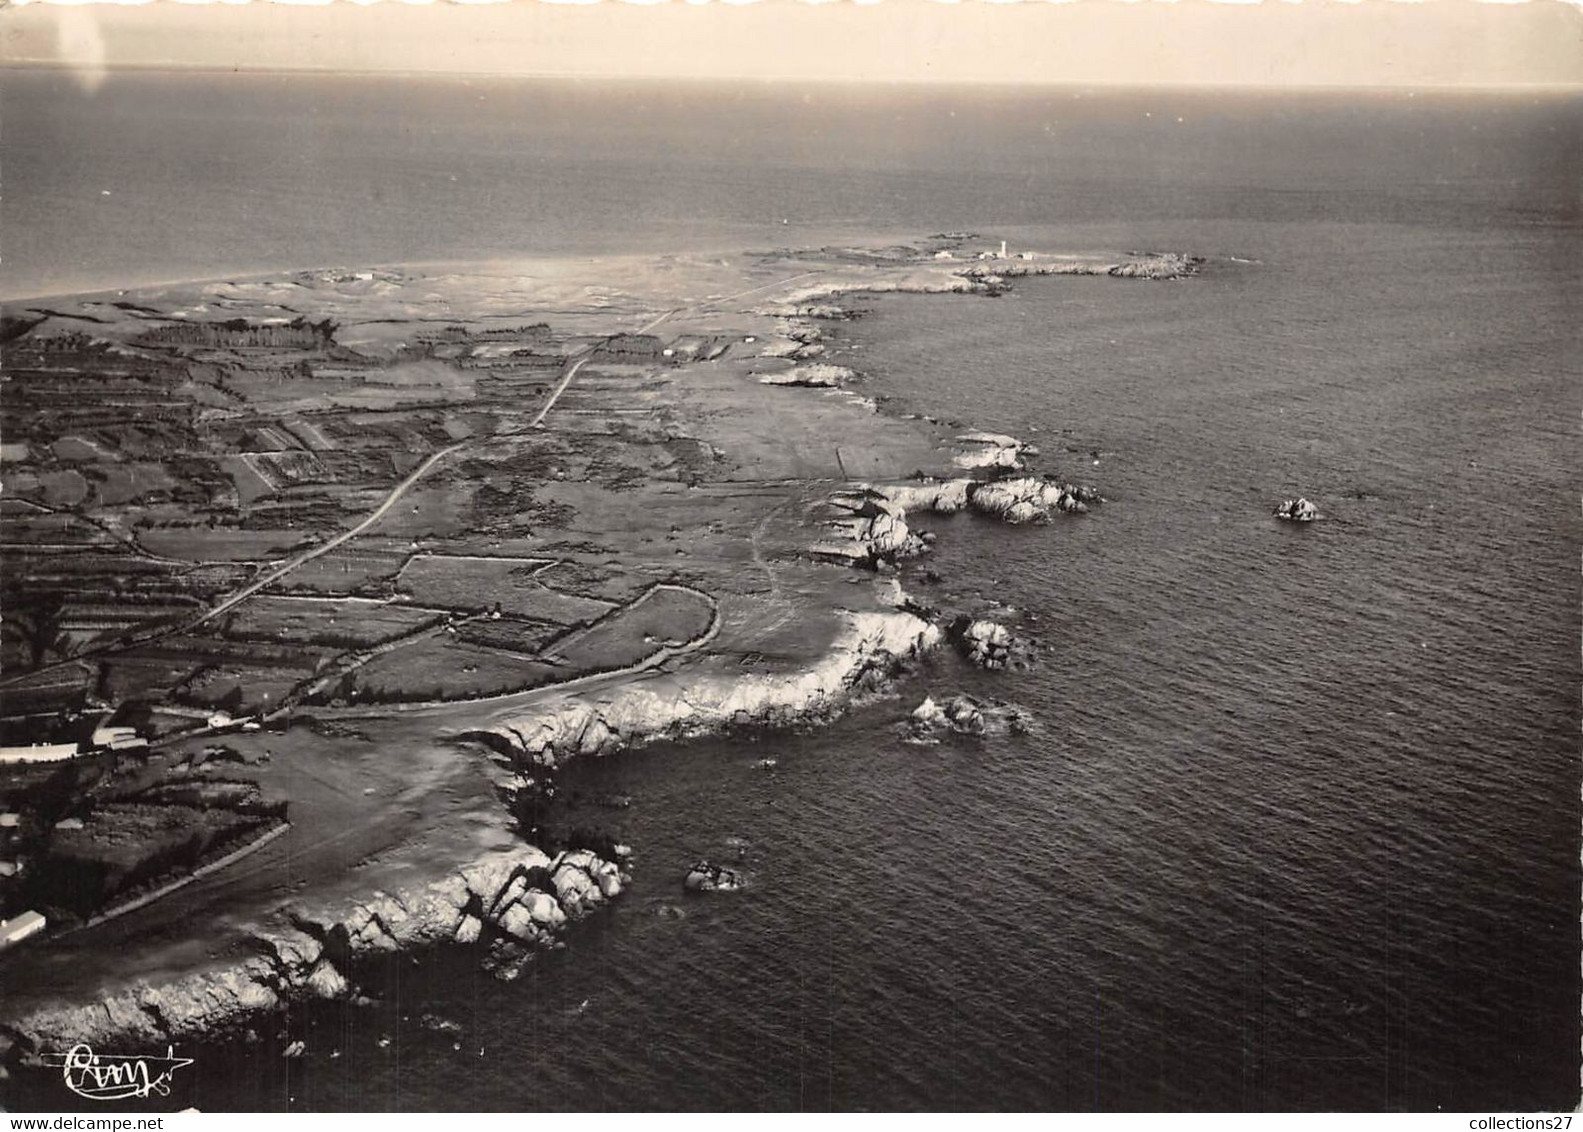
(1297, 824)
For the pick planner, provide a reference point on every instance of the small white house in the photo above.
(118, 738)
(10, 819)
(18, 928)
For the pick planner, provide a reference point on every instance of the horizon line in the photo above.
(108, 70)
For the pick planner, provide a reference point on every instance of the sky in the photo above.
(1277, 42)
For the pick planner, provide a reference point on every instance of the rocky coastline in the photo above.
(514, 900)
(869, 526)
(510, 902)
(865, 655)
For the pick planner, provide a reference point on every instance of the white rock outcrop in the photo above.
(871, 529)
(1026, 498)
(818, 375)
(988, 450)
(694, 704)
(984, 643)
(964, 715)
(499, 893)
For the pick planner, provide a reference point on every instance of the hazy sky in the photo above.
(1376, 42)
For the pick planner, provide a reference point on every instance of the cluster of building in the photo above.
(102, 739)
(18, 927)
(1003, 253)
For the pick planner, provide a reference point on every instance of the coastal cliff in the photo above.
(871, 528)
(869, 648)
(514, 900)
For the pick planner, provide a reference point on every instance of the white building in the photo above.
(118, 738)
(40, 753)
(18, 928)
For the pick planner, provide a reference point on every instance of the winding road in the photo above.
(270, 577)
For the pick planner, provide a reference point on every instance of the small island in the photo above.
(312, 581)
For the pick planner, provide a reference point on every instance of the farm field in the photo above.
(444, 668)
(206, 544)
(347, 622)
(481, 584)
(665, 616)
(510, 634)
(345, 572)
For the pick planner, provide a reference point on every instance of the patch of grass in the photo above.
(481, 584)
(443, 668)
(343, 624)
(666, 615)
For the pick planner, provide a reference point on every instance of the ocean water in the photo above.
(1298, 823)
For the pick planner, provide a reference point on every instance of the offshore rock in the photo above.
(984, 643)
(965, 715)
(1297, 510)
(704, 877)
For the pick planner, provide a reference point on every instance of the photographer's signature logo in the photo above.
(116, 1076)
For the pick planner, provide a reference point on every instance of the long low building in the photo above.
(40, 753)
(18, 928)
(118, 738)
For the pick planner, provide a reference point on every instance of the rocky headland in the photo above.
(511, 901)
(863, 657)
